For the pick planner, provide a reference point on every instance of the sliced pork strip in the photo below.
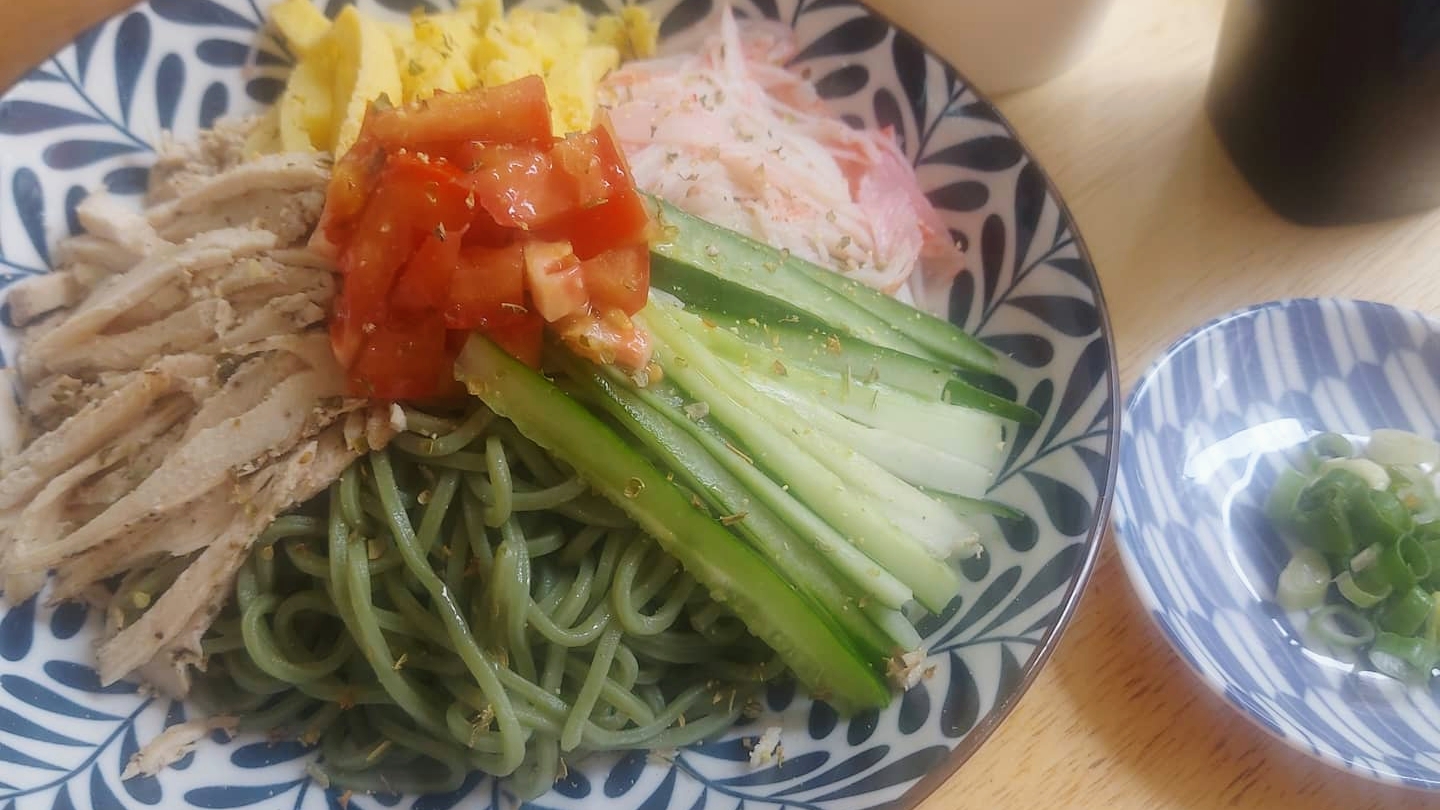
(181, 164)
(44, 518)
(285, 315)
(99, 256)
(288, 213)
(48, 401)
(30, 298)
(205, 585)
(252, 381)
(163, 267)
(142, 451)
(162, 304)
(312, 346)
(100, 214)
(22, 475)
(258, 279)
(292, 172)
(202, 463)
(12, 424)
(187, 531)
(194, 326)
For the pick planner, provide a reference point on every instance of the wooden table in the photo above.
(1116, 720)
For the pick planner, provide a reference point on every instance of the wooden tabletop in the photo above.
(1116, 720)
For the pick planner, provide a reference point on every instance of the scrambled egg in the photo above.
(345, 64)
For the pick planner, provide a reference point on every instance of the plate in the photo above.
(90, 116)
(1204, 437)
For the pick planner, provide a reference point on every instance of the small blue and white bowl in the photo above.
(1204, 436)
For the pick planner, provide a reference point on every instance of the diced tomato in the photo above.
(621, 222)
(618, 278)
(523, 339)
(431, 193)
(488, 288)
(553, 276)
(594, 159)
(516, 112)
(405, 358)
(424, 283)
(606, 338)
(352, 180)
(369, 266)
(520, 186)
(464, 213)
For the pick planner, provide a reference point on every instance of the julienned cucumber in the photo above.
(733, 572)
(692, 245)
(694, 467)
(824, 349)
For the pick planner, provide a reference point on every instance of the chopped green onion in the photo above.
(1378, 516)
(1367, 557)
(1304, 581)
(1281, 506)
(1432, 624)
(1330, 445)
(1406, 611)
(1358, 595)
(1402, 657)
(1340, 626)
(1366, 470)
(1388, 446)
(1404, 563)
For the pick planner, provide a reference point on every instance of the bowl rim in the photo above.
(1127, 545)
(1094, 537)
(986, 727)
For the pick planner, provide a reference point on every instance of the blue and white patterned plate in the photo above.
(90, 117)
(1204, 436)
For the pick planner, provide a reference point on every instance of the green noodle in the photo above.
(460, 602)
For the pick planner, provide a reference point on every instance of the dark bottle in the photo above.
(1331, 108)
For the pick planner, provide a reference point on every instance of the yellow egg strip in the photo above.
(344, 65)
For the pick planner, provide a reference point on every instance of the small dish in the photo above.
(1204, 436)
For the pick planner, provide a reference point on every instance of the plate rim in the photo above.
(986, 728)
(1094, 537)
(1127, 544)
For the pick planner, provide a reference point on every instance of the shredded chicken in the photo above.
(172, 744)
(176, 392)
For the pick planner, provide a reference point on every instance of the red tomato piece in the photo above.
(521, 187)
(406, 358)
(618, 278)
(352, 180)
(516, 112)
(594, 159)
(606, 338)
(553, 276)
(622, 221)
(424, 283)
(523, 339)
(488, 288)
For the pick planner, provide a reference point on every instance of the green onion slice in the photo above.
(1389, 446)
(1357, 595)
(1406, 611)
(1405, 658)
(1330, 445)
(1340, 626)
(1304, 581)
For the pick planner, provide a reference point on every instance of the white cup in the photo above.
(1002, 45)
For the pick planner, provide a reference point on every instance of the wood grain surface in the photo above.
(1116, 720)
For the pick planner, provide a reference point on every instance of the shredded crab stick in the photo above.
(730, 134)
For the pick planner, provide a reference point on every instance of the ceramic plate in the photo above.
(1206, 432)
(91, 116)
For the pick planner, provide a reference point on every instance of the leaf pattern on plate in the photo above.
(88, 118)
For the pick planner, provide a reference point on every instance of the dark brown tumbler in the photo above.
(1331, 108)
